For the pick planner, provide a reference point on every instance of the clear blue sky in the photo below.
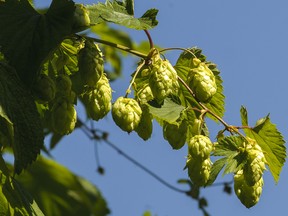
(248, 42)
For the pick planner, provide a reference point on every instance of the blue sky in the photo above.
(248, 42)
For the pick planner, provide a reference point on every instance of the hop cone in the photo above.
(200, 147)
(198, 171)
(248, 195)
(175, 134)
(64, 84)
(145, 127)
(81, 20)
(90, 63)
(63, 117)
(97, 100)
(44, 89)
(255, 165)
(202, 82)
(126, 113)
(163, 79)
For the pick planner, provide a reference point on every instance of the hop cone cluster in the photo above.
(90, 63)
(156, 80)
(198, 161)
(202, 81)
(248, 182)
(97, 100)
(126, 113)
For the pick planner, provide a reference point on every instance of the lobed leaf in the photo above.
(19, 105)
(26, 30)
(121, 13)
(272, 143)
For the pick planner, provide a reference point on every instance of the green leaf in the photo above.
(13, 199)
(271, 141)
(122, 14)
(233, 158)
(168, 112)
(21, 110)
(29, 36)
(6, 129)
(215, 170)
(60, 192)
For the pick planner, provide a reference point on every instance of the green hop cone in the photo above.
(248, 195)
(90, 63)
(198, 171)
(255, 165)
(126, 113)
(175, 134)
(202, 82)
(163, 79)
(145, 127)
(64, 85)
(200, 147)
(63, 117)
(97, 100)
(81, 20)
(44, 89)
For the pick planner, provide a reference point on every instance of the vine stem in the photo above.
(133, 79)
(118, 46)
(178, 48)
(207, 110)
(149, 38)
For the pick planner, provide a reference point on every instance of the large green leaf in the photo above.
(13, 199)
(121, 13)
(270, 140)
(27, 37)
(60, 192)
(20, 108)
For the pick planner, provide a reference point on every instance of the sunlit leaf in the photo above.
(60, 192)
(271, 141)
(122, 14)
(169, 111)
(13, 199)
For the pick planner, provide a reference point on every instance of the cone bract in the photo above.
(145, 127)
(202, 82)
(44, 89)
(81, 20)
(126, 113)
(248, 195)
(97, 100)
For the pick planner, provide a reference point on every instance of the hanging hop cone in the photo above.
(200, 147)
(44, 89)
(255, 165)
(248, 195)
(202, 82)
(97, 100)
(145, 127)
(175, 134)
(64, 84)
(90, 63)
(81, 20)
(63, 117)
(163, 79)
(198, 171)
(126, 113)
